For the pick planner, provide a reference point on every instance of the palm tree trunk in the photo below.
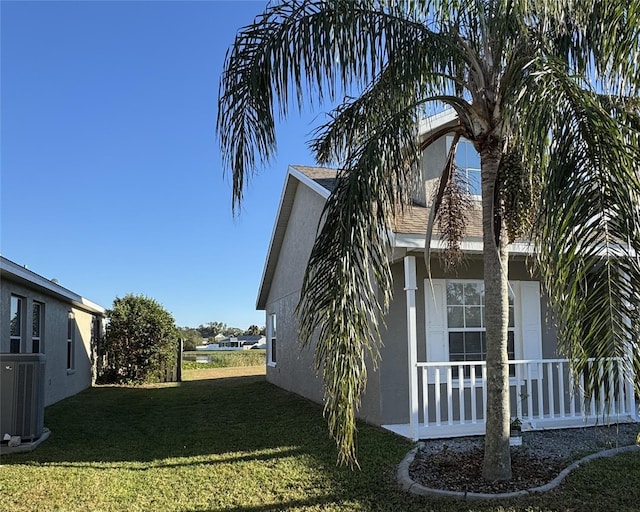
(497, 455)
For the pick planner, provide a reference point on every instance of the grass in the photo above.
(225, 440)
(225, 359)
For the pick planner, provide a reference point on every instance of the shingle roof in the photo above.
(414, 221)
(414, 218)
(323, 176)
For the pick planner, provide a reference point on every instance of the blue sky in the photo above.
(111, 177)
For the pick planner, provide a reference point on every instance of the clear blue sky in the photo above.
(111, 176)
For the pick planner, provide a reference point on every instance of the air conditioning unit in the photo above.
(22, 390)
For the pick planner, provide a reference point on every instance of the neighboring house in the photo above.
(243, 340)
(46, 318)
(430, 379)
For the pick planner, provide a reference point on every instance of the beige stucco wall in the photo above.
(59, 382)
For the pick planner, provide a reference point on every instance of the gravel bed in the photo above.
(456, 464)
(563, 444)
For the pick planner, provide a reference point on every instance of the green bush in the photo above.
(141, 341)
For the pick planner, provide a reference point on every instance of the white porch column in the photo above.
(632, 407)
(410, 287)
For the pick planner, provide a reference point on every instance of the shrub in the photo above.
(140, 341)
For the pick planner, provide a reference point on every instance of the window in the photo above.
(16, 325)
(272, 339)
(468, 163)
(466, 324)
(71, 330)
(36, 329)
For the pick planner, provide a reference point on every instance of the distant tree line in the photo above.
(194, 336)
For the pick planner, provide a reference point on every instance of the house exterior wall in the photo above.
(59, 381)
(294, 369)
(394, 371)
(433, 161)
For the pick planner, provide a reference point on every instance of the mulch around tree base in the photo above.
(462, 471)
(455, 464)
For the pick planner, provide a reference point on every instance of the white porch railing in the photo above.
(451, 397)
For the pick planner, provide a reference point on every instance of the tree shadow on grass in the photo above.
(282, 506)
(218, 459)
(195, 418)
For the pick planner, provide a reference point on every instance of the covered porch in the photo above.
(448, 398)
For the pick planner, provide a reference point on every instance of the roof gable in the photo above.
(319, 179)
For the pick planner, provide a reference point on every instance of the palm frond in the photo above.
(589, 229)
(347, 285)
(298, 51)
(601, 40)
(401, 85)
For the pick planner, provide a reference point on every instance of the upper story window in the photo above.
(36, 329)
(15, 324)
(468, 162)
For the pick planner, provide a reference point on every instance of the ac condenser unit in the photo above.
(22, 395)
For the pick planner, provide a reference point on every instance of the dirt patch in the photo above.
(224, 373)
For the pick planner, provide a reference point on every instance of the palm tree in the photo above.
(545, 90)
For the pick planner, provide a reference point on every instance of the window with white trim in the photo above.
(37, 315)
(467, 161)
(466, 326)
(15, 336)
(272, 339)
(71, 335)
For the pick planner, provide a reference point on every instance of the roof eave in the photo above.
(23, 275)
(470, 245)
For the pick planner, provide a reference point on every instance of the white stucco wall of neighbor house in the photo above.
(53, 321)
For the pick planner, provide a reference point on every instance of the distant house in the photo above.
(47, 318)
(243, 340)
(235, 342)
(430, 380)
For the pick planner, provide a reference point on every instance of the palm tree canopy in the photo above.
(553, 82)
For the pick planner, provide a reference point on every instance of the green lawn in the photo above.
(240, 444)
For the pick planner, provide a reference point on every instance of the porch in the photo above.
(450, 397)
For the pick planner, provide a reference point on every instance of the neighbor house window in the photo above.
(36, 329)
(466, 323)
(16, 324)
(71, 334)
(272, 339)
